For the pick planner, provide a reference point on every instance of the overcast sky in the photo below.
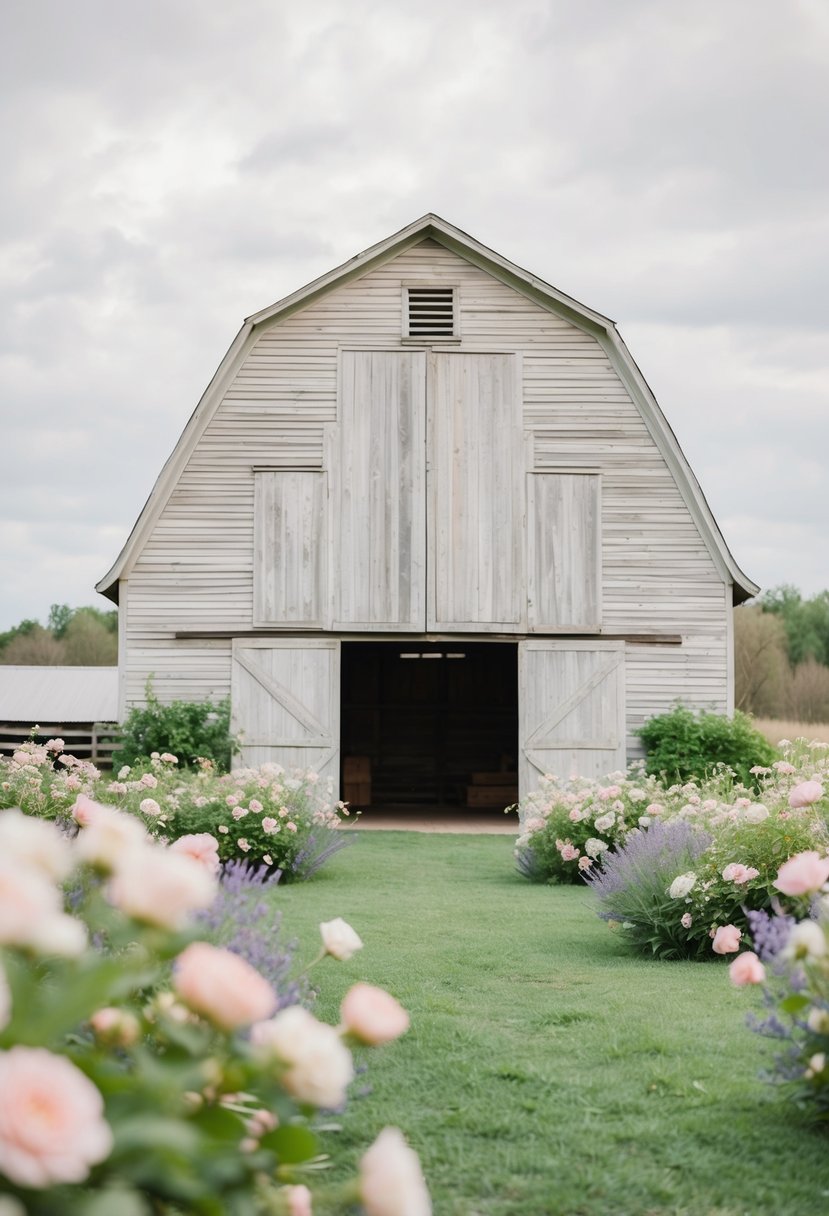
(171, 167)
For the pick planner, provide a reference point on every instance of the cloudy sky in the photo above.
(171, 167)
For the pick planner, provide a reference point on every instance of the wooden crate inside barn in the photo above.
(357, 780)
(492, 790)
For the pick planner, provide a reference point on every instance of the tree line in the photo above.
(781, 656)
(73, 637)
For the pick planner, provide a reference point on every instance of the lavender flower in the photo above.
(648, 860)
(323, 842)
(769, 932)
(243, 920)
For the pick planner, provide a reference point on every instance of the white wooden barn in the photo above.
(429, 513)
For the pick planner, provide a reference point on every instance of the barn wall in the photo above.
(195, 571)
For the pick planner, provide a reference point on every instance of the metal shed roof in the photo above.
(58, 694)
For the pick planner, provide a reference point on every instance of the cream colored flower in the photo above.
(391, 1180)
(317, 1067)
(339, 939)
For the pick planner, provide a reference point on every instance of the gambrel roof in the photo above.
(433, 227)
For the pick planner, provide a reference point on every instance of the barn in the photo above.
(428, 527)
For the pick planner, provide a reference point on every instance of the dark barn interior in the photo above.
(429, 724)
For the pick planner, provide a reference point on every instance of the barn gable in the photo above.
(511, 476)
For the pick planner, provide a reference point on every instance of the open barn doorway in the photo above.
(429, 725)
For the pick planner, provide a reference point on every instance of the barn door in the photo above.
(571, 717)
(285, 700)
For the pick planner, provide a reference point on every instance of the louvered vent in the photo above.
(431, 312)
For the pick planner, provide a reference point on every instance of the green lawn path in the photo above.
(548, 1073)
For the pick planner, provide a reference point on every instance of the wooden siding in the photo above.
(290, 547)
(378, 471)
(564, 541)
(195, 571)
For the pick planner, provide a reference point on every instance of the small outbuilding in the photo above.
(429, 520)
(77, 704)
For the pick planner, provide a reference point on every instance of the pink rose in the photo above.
(391, 1180)
(568, 852)
(255, 805)
(372, 1015)
(299, 1200)
(686, 920)
(239, 812)
(149, 806)
(802, 873)
(160, 887)
(805, 794)
(222, 986)
(726, 939)
(83, 810)
(115, 1027)
(747, 969)
(52, 1128)
(269, 825)
(739, 873)
(315, 1065)
(148, 781)
(202, 847)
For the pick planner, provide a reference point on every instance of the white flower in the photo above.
(604, 822)
(680, 887)
(339, 939)
(818, 1021)
(34, 842)
(594, 848)
(319, 1067)
(391, 1180)
(756, 813)
(806, 940)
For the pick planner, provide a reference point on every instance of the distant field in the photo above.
(776, 729)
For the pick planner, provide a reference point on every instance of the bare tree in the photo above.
(761, 669)
(37, 648)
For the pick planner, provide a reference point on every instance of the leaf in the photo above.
(291, 1144)
(794, 1003)
(151, 1132)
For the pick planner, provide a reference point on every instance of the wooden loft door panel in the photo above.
(379, 473)
(476, 491)
(564, 551)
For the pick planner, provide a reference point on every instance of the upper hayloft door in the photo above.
(476, 492)
(379, 478)
(571, 709)
(285, 695)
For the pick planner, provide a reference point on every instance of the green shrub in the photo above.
(683, 746)
(190, 730)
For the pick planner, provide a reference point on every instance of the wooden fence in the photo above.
(95, 741)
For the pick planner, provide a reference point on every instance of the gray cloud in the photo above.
(172, 167)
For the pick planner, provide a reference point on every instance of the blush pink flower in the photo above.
(726, 940)
(148, 781)
(391, 1180)
(372, 1015)
(149, 806)
(803, 873)
(805, 794)
(298, 1199)
(160, 887)
(52, 1128)
(202, 847)
(568, 852)
(686, 920)
(239, 812)
(222, 987)
(269, 825)
(739, 873)
(747, 969)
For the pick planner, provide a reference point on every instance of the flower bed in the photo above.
(677, 869)
(282, 820)
(144, 1070)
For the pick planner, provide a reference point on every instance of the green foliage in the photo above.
(190, 730)
(806, 622)
(682, 745)
(76, 637)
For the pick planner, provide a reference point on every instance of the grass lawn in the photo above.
(548, 1073)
